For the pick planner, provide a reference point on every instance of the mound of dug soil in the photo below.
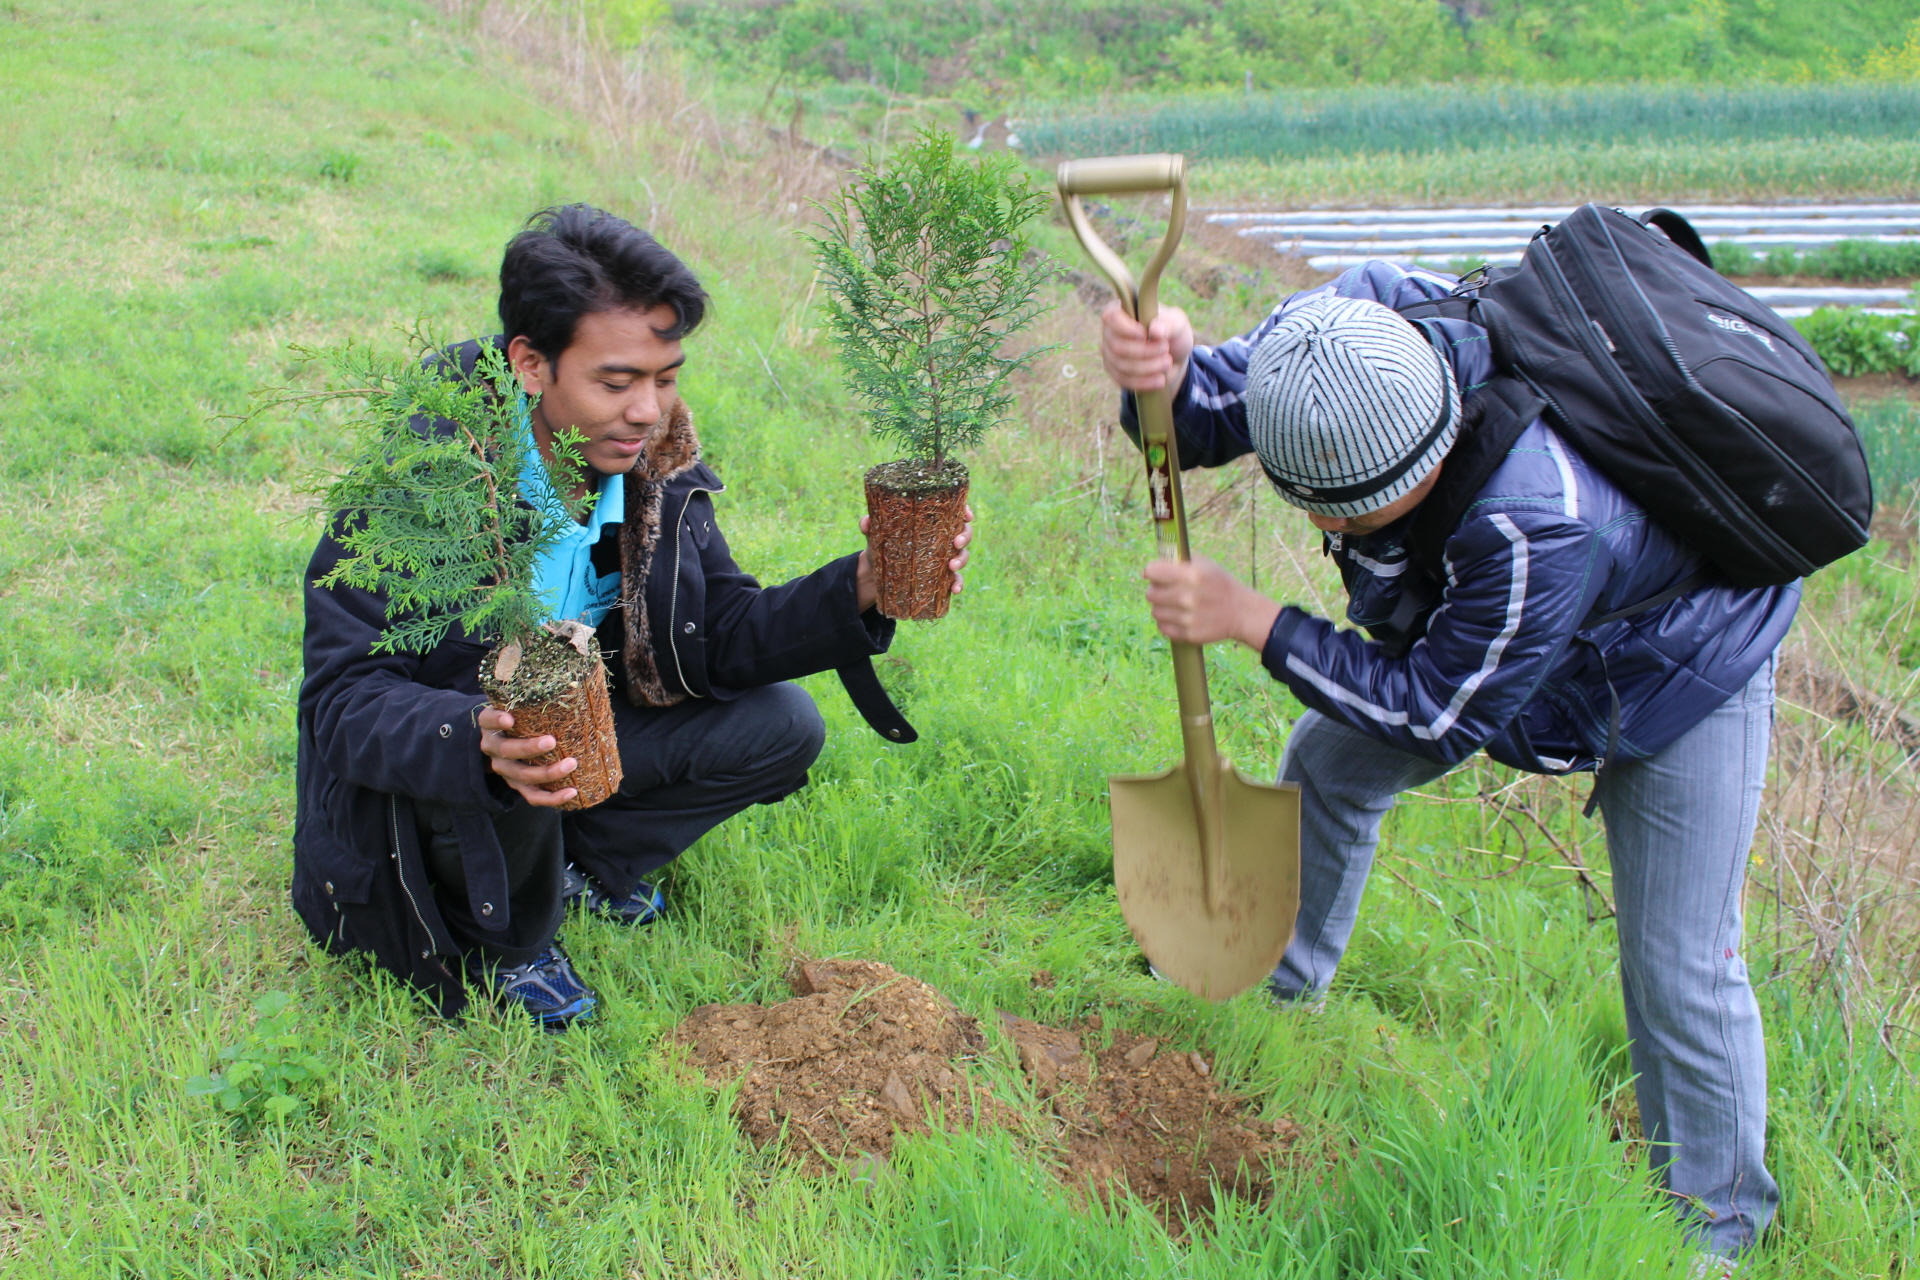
(859, 1052)
(862, 1052)
(1151, 1117)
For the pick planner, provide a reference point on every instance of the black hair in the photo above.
(573, 260)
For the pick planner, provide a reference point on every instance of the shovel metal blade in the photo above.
(1160, 874)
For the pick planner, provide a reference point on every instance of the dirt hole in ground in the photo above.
(863, 1052)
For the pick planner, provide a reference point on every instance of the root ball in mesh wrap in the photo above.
(915, 514)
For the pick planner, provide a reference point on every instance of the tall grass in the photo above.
(1852, 260)
(1890, 430)
(1461, 1094)
(1422, 120)
(1623, 173)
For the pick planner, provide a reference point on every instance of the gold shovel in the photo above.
(1206, 861)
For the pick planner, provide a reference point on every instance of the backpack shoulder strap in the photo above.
(1473, 307)
(1502, 410)
(1681, 232)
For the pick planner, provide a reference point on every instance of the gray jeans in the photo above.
(1679, 828)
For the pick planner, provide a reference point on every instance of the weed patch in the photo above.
(77, 828)
(271, 1075)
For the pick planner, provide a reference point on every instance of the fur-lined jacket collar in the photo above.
(675, 452)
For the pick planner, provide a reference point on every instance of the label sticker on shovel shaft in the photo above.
(1159, 483)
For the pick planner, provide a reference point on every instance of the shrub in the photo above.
(339, 166)
(437, 266)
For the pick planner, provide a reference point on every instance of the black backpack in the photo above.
(1703, 405)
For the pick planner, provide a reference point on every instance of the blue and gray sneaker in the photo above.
(643, 906)
(545, 986)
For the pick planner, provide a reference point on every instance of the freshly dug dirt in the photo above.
(916, 511)
(550, 687)
(1151, 1117)
(861, 1052)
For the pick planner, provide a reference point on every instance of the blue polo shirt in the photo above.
(564, 576)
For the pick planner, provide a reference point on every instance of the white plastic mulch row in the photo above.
(1334, 239)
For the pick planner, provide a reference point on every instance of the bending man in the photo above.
(1352, 411)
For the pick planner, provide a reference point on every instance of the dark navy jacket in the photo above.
(1548, 542)
(380, 732)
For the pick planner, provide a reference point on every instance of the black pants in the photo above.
(686, 768)
(531, 840)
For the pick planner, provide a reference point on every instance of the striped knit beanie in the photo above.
(1348, 405)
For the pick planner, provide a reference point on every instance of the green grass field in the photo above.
(191, 188)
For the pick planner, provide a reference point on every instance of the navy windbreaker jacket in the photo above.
(1548, 542)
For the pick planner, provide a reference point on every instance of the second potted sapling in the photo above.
(928, 272)
(445, 507)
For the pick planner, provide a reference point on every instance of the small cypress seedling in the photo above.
(444, 507)
(435, 507)
(929, 270)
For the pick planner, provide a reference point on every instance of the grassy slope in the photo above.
(149, 566)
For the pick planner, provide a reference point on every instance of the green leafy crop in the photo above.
(1854, 341)
(272, 1074)
(435, 509)
(928, 271)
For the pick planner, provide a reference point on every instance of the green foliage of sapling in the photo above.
(928, 273)
(435, 508)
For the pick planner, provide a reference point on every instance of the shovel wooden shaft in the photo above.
(1162, 456)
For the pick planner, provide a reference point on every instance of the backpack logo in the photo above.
(1732, 325)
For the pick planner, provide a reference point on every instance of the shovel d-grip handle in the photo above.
(1127, 175)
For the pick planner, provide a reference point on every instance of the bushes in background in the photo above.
(1890, 430)
(1017, 48)
(1422, 120)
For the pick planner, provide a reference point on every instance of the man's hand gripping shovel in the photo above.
(1206, 861)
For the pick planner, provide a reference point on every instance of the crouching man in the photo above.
(424, 836)
(1352, 412)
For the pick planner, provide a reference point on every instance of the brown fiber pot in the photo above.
(915, 511)
(571, 704)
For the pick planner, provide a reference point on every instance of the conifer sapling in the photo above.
(441, 509)
(928, 271)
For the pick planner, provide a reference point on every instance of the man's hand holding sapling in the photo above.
(869, 591)
(508, 757)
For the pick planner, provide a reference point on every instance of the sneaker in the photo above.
(1712, 1266)
(643, 906)
(545, 986)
